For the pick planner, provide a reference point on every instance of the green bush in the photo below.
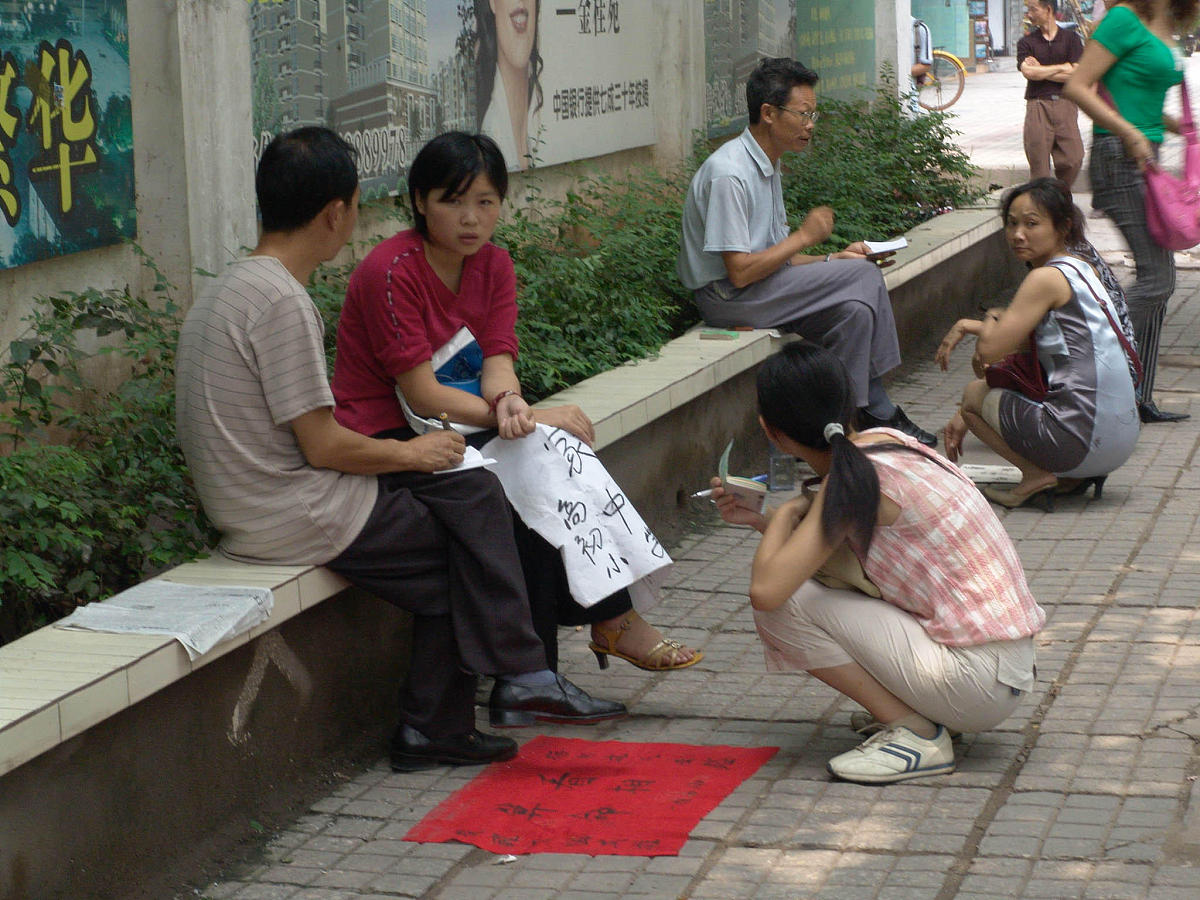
(882, 170)
(596, 276)
(94, 492)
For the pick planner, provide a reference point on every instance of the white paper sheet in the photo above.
(562, 491)
(981, 474)
(200, 617)
(472, 459)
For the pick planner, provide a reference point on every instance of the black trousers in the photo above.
(550, 600)
(442, 547)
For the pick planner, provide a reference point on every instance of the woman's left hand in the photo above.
(514, 418)
(795, 510)
(956, 430)
(1138, 148)
(569, 418)
(956, 333)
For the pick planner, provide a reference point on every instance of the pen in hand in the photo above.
(445, 419)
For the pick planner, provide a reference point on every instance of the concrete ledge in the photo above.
(56, 683)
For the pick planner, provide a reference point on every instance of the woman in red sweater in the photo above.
(408, 299)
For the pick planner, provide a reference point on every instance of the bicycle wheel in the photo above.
(944, 83)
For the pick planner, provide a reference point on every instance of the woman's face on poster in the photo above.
(516, 28)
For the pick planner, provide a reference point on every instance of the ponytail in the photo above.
(805, 393)
(851, 495)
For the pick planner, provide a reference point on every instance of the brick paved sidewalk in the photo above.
(1087, 791)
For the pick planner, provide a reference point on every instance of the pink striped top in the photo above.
(947, 560)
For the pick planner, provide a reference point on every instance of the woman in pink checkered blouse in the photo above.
(943, 641)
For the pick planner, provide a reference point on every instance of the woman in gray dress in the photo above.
(1087, 424)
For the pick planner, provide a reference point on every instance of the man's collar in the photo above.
(757, 153)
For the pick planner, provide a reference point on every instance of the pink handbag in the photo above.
(1173, 204)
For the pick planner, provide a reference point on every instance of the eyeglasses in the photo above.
(803, 114)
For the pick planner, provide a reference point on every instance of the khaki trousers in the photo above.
(1052, 136)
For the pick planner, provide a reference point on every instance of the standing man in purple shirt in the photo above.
(1047, 57)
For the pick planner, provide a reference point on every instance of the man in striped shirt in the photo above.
(286, 484)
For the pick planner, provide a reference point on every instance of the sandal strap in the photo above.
(655, 657)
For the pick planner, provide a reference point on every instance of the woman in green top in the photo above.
(1133, 55)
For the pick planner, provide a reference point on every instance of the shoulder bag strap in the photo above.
(1187, 126)
(1129, 351)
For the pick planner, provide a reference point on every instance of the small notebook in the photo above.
(878, 248)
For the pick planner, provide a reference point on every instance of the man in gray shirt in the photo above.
(745, 267)
(285, 483)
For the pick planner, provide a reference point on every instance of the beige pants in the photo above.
(964, 688)
(1052, 136)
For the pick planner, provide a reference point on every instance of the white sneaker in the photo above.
(895, 754)
(866, 724)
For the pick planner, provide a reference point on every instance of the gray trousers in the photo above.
(843, 305)
(1119, 189)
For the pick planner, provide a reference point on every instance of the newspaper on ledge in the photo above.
(198, 616)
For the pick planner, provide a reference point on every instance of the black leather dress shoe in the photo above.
(898, 421)
(513, 705)
(1149, 412)
(412, 751)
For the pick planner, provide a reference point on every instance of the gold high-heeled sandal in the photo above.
(652, 661)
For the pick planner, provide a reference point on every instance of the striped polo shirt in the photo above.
(250, 361)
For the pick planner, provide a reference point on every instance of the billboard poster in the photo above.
(550, 82)
(66, 129)
(835, 39)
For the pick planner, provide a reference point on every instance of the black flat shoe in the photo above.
(411, 751)
(513, 705)
(900, 422)
(1149, 412)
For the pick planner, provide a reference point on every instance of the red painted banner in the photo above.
(564, 795)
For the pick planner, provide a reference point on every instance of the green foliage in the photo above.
(882, 170)
(596, 276)
(94, 492)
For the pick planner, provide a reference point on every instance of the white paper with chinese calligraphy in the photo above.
(562, 491)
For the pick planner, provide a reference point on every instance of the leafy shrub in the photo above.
(85, 519)
(882, 170)
(596, 276)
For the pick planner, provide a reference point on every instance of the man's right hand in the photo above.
(435, 451)
(817, 225)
